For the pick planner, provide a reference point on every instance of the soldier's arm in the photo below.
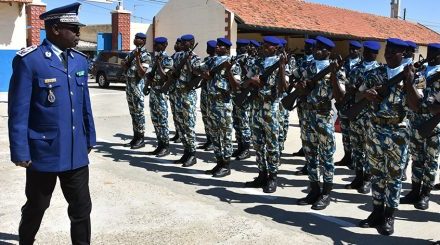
(413, 97)
(19, 99)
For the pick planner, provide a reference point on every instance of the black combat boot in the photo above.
(139, 142)
(258, 182)
(224, 169)
(423, 203)
(437, 187)
(191, 160)
(313, 196)
(345, 161)
(324, 198)
(299, 153)
(271, 184)
(375, 218)
(129, 144)
(216, 167)
(184, 157)
(413, 196)
(387, 227)
(164, 151)
(302, 171)
(357, 181)
(366, 185)
(176, 136)
(238, 150)
(244, 154)
(209, 147)
(159, 148)
(207, 143)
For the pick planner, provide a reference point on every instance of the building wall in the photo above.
(140, 27)
(89, 32)
(12, 38)
(206, 20)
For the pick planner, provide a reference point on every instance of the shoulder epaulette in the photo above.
(79, 52)
(27, 50)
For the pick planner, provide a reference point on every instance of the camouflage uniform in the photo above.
(172, 96)
(220, 108)
(241, 114)
(425, 151)
(265, 111)
(185, 102)
(204, 108)
(134, 90)
(318, 137)
(387, 144)
(159, 102)
(302, 65)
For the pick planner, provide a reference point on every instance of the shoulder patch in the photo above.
(79, 52)
(27, 50)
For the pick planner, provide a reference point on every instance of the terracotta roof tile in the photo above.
(17, 1)
(299, 15)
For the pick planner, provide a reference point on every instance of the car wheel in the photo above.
(102, 81)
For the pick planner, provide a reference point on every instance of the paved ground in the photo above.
(142, 200)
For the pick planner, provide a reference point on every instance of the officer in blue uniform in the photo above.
(51, 128)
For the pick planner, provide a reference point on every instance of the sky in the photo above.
(422, 11)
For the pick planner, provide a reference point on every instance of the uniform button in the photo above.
(73, 128)
(44, 136)
(73, 110)
(71, 93)
(70, 76)
(50, 85)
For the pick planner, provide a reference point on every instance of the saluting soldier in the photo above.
(387, 144)
(265, 112)
(318, 138)
(425, 151)
(162, 63)
(362, 180)
(137, 63)
(211, 46)
(51, 128)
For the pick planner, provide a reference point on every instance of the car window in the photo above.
(104, 56)
(113, 58)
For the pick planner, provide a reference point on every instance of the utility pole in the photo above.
(395, 9)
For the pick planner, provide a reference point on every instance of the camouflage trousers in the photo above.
(386, 151)
(204, 108)
(172, 99)
(135, 100)
(284, 126)
(345, 131)
(425, 153)
(159, 115)
(318, 140)
(186, 117)
(220, 117)
(357, 144)
(241, 122)
(265, 133)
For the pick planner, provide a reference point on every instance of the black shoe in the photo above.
(175, 137)
(413, 196)
(345, 161)
(423, 203)
(437, 187)
(216, 167)
(324, 199)
(178, 140)
(387, 227)
(139, 142)
(245, 154)
(303, 171)
(224, 169)
(238, 150)
(129, 144)
(165, 151)
(190, 161)
(312, 196)
(300, 153)
(366, 185)
(183, 159)
(258, 182)
(160, 146)
(357, 181)
(374, 219)
(271, 184)
(209, 147)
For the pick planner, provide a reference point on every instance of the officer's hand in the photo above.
(24, 164)
(372, 95)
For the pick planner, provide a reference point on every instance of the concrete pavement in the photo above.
(138, 199)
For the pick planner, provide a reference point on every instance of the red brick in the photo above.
(34, 23)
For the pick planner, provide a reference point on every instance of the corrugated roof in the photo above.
(298, 15)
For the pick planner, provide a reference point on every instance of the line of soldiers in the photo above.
(382, 110)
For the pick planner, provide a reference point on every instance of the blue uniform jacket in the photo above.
(54, 135)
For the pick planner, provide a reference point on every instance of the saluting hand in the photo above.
(372, 95)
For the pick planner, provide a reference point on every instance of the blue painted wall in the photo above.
(6, 57)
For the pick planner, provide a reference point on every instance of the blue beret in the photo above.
(435, 46)
(397, 42)
(327, 42)
(255, 43)
(310, 41)
(187, 37)
(211, 43)
(271, 40)
(411, 44)
(67, 14)
(160, 40)
(224, 42)
(178, 40)
(242, 42)
(283, 41)
(355, 44)
(372, 45)
(140, 35)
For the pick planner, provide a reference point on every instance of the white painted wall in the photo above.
(12, 26)
(205, 19)
(138, 27)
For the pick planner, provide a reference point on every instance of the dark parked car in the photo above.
(108, 68)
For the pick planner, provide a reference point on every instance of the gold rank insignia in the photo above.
(50, 80)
